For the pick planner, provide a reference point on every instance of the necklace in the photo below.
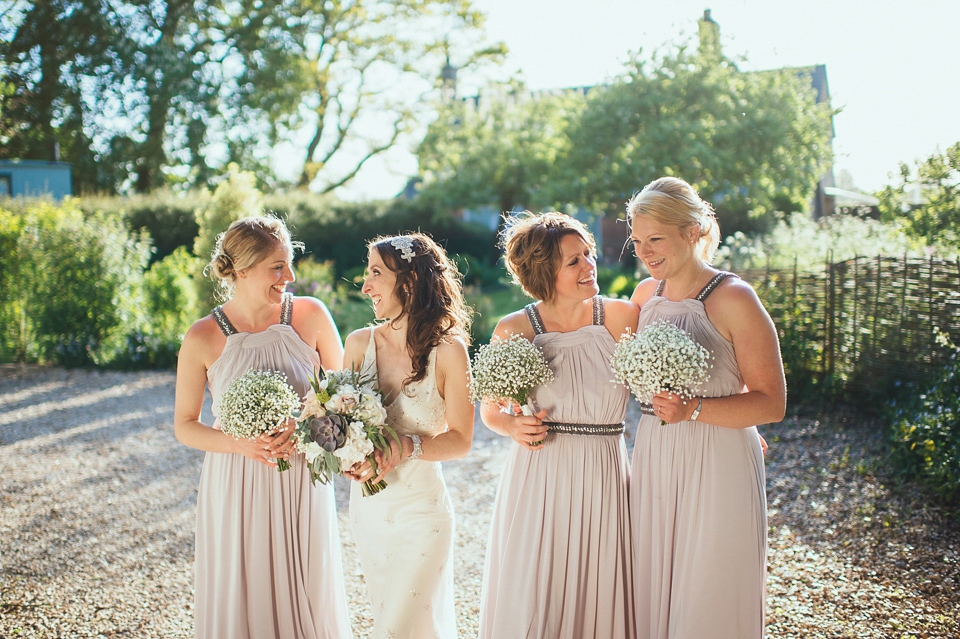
(696, 280)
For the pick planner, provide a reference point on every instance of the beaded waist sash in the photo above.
(646, 409)
(584, 429)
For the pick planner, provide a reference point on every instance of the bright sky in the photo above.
(892, 65)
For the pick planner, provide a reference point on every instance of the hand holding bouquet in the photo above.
(661, 357)
(508, 369)
(343, 423)
(256, 403)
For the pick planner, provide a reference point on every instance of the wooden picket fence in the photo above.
(866, 322)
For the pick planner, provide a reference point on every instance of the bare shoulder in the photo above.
(203, 330)
(452, 351)
(620, 309)
(515, 323)
(734, 292)
(359, 338)
(203, 341)
(735, 309)
(644, 291)
(309, 308)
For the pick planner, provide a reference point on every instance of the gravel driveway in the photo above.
(97, 505)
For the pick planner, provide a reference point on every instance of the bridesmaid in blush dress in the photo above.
(268, 550)
(558, 562)
(697, 501)
(418, 355)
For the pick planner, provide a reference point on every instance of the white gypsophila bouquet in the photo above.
(661, 357)
(508, 369)
(343, 422)
(255, 403)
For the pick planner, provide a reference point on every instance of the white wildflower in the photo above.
(255, 403)
(508, 369)
(662, 357)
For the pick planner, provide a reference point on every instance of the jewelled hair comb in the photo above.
(405, 246)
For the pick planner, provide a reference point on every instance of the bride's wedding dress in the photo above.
(404, 534)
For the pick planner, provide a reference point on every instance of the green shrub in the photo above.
(77, 288)
(13, 298)
(617, 281)
(170, 295)
(169, 217)
(925, 435)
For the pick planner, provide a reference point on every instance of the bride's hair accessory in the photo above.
(405, 246)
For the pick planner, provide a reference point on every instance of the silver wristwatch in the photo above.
(696, 411)
(417, 448)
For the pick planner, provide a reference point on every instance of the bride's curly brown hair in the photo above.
(430, 291)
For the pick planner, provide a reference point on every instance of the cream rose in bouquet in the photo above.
(508, 370)
(661, 357)
(343, 422)
(255, 403)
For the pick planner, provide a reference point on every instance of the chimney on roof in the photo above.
(709, 36)
(55, 152)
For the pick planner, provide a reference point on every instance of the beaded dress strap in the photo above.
(712, 285)
(223, 322)
(598, 311)
(705, 291)
(535, 320)
(534, 316)
(286, 309)
(286, 315)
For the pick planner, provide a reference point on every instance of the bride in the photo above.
(418, 355)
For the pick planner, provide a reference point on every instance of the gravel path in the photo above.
(97, 504)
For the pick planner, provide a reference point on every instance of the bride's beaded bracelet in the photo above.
(417, 448)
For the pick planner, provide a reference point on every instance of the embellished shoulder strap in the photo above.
(534, 318)
(712, 285)
(659, 291)
(223, 322)
(598, 311)
(286, 309)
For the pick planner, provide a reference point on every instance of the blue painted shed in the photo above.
(35, 178)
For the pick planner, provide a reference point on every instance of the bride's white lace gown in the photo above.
(404, 534)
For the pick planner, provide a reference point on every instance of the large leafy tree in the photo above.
(750, 142)
(497, 149)
(346, 61)
(161, 91)
(927, 199)
(54, 56)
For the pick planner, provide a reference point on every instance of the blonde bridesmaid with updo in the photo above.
(268, 560)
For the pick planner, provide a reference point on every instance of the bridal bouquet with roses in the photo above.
(342, 423)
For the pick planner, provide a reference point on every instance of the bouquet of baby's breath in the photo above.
(508, 369)
(661, 357)
(342, 423)
(255, 403)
